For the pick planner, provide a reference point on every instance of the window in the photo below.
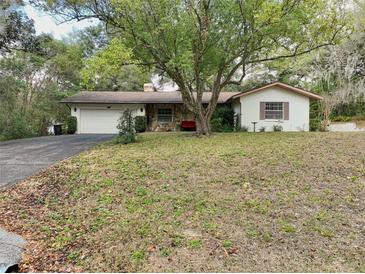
(164, 115)
(274, 110)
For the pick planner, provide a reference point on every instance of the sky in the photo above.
(45, 23)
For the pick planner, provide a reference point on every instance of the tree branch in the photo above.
(289, 55)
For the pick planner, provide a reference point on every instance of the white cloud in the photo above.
(45, 23)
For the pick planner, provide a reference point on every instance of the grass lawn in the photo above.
(174, 202)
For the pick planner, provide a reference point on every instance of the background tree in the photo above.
(16, 29)
(90, 39)
(108, 69)
(207, 45)
(337, 72)
(33, 83)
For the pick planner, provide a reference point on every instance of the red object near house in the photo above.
(188, 125)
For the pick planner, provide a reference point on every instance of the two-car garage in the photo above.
(101, 119)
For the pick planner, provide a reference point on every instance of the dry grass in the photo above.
(173, 202)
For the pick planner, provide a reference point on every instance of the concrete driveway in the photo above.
(22, 158)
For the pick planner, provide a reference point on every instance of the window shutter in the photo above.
(262, 110)
(286, 110)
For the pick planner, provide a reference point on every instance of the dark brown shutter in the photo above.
(286, 110)
(262, 110)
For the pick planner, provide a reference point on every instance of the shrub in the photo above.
(126, 127)
(277, 128)
(71, 124)
(341, 119)
(244, 129)
(226, 128)
(315, 124)
(223, 119)
(125, 138)
(262, 129)
(18, 127)
(216, 124)
(237, 122)
(140, 123)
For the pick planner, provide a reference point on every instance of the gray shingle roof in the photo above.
(136, 97)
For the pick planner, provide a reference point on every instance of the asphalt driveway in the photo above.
(22, 158)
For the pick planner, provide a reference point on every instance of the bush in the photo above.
(341, 119)
(244, 129)
(216, 124)
(277, 128)
(237, 122)
(71, 123)
(226, 128)
(262, 129)
(126, 127)
(315, 124)
(125, 138)
(18, 127)
(223, 119)
(140, 123)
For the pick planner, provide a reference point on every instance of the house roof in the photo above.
(300, 91)
(139, 97)
(169, 97)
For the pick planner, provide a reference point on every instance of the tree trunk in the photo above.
(203, 127)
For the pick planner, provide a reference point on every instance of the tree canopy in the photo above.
(207, 45)
(16, 29)
(200, 45)
(107, 69)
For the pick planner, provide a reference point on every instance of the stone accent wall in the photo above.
(179, 113)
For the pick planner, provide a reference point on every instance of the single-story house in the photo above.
(273, 104)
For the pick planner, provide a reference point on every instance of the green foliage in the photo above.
(315, 124)
(71, 124)
(33, 83)
(125, 138)
(195, 243)
(140, 123)
(237, 122)
(205, 55)
(227, 244)
(244, 129)
(288, 228)
(216, 124)
(126, 122)
(165, 252)
(223, 119)
(341, 119)
(126, 128)
(138, 255)
(351, 108)
(277, 128)
(18, 127)
(16, 29)
(107, 69)
(91, 39)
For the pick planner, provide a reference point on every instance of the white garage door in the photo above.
(99, 120)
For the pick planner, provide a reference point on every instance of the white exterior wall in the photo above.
(236, 106)
(101, 118)
(298, 109)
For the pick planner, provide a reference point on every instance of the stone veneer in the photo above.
(179, 113)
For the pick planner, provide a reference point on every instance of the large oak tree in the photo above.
(206, 45)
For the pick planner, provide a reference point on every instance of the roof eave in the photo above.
(302, 92)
